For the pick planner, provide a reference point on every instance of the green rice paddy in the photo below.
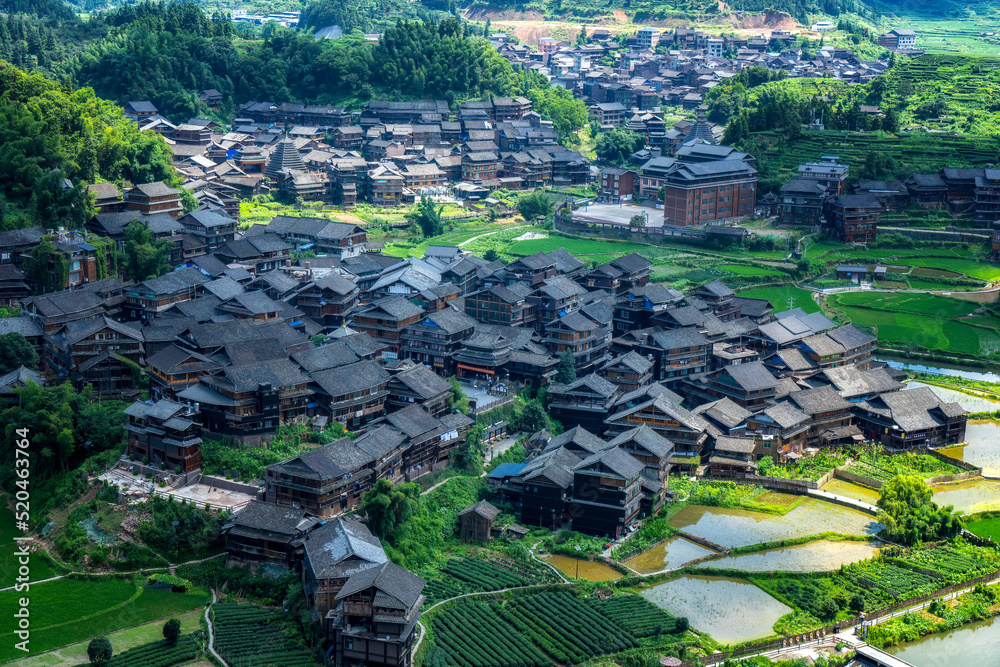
(779, 296)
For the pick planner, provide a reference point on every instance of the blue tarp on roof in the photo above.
(506, 470)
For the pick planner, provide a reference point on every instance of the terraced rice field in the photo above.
(922, 320)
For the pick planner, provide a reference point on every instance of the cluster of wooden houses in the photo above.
(388, 155)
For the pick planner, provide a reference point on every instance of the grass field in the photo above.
(778, 296)
(986, 528)
(76, 654)
(74, 610)
(577, 246)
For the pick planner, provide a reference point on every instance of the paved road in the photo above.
(867, 508)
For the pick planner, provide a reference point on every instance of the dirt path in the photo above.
(211, 633)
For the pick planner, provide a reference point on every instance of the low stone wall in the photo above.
(230, 485)
(957, 477)
(958, 463)
(857, 479)
(959, 236)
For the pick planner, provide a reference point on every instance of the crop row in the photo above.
(158, 654)
(565, 628)
(473, 636)
(252, 636)
(635, 615)
(948, 561)
(483, 575)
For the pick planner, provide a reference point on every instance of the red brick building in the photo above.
(695, 194)
(617, 183)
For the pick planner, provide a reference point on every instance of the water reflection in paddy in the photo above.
(977, 495)
(589, 570)
(819, 556)
(967, 401)
(671, 554)
(731, 610)
(982, 448)
(847, 489)
(974, 644)
(736, 527)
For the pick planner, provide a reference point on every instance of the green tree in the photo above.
(737, 130)
(637, 221)
(145, 256)
(532, 205)
(566, 369)
(491, 255)
(878, 166)
(458, 400)
(764, 465)
(469, 455)
(172, 630)
(618, 145)
(533, 417)
(16, 351)
(387, 506)
(427, 216)
(910, 516)
(99, 650)
(318, 339)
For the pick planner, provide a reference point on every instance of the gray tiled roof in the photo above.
(259, 515)
(247, 377)
(351, 378)
(389, 580)
(423, 381)
(413, 420)
(325, 357)
(643, 437)
(342, 547)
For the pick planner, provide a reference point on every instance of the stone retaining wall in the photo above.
(230, 485)
(857, 479)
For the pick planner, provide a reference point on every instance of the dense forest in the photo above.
(49, 133)
(167, 53)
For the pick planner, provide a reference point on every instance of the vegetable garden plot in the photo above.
(635, 615)
(251, 636)
(900, 583)
(950, 562)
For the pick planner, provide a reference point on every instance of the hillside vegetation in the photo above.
(48, 134)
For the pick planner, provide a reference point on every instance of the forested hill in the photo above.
(167, 53)
(49, 9)
(48, 134)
